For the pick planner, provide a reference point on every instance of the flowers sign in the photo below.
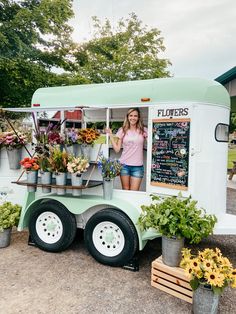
(209, 268)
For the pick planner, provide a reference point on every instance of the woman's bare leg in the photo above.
(125, 182)
(135, 183)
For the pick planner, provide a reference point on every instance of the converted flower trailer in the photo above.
(186, 152)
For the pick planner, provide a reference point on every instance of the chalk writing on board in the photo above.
(170, 153)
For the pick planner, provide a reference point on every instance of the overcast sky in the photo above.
(199, 35)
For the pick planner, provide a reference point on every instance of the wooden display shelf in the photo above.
(85, 185)
(172, 280)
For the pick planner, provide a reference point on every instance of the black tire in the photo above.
(52, 227)
(111, 237)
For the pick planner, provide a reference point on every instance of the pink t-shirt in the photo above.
(132, 154)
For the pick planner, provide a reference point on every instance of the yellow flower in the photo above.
(207, 264)
(186, 253)
(225, 262)
(215, 278)
(206, 254)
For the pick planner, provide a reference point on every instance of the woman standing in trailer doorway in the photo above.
(131, 136)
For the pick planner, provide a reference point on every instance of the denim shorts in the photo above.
(133, 171)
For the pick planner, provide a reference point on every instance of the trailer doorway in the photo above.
(113, 118)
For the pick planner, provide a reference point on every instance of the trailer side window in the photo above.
(222, 132)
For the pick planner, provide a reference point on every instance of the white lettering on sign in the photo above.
(172, 112)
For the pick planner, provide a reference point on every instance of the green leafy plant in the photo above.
(177, 217)
(9, 215)
(58, 160)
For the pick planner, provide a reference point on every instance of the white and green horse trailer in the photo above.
(186, 151)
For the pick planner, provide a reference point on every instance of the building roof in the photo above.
(227, 76)
(69, 115)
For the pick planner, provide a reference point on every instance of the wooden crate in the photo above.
(171, 280)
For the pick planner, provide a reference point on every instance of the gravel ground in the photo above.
(33, 281)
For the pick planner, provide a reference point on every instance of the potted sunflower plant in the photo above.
(210, 273)
(176, 218)
(9, 217)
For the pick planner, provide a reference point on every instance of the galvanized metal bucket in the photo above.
(32, 177)
(14, 158)
(76, 180)
(86, 151)
(77, 150)
(205, 301)
(107, 189)
(171, 251)
(5, 237)
(46, 178)
(61, 180)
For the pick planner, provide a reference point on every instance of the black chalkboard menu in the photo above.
(170, 153)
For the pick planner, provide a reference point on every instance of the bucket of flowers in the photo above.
(13, 144)
(76, 167)
(87, 137)
(71, 142)
(58, 164)
(110, 168)
(209, 272)
(31, 166)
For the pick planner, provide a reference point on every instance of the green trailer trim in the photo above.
(167, 90)
(78, 205)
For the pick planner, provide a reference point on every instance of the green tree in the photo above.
(233, 122)
(34, 37)
(129, 52)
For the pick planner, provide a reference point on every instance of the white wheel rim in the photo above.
(49, 227)
(108, 238)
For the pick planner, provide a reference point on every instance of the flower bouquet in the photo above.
(11, 141)
(88, 136)
(77, 166)
(58, 162)
(31, 166)
(110, 168)
(209, 268)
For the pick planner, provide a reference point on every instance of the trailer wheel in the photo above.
(111, 237)
(52, 227)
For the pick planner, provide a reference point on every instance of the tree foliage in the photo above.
(34, 37)
(130, 52)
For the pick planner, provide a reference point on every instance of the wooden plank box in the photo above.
(172, 280)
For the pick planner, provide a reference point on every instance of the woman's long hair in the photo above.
(139, 125)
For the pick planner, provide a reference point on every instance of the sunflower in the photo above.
(225, 263)
(207, 264)
(214, 278)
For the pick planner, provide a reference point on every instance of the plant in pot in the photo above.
(209, 272)
(9, 217)
(77, 166)
(71, 142)
(58, 162)
(110, 168)
(87, 137)
(31, 166)
(13, 144)
(176, 218)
